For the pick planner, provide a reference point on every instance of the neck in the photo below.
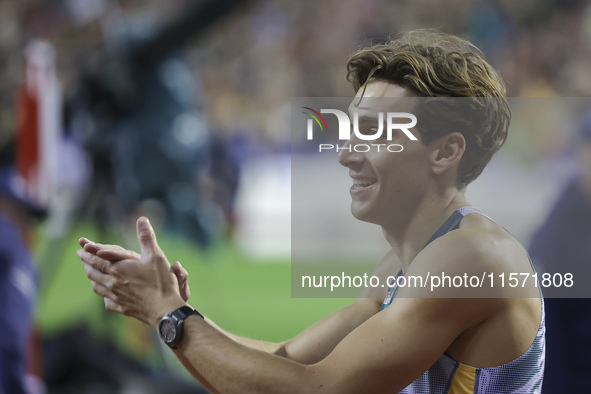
(408, 237)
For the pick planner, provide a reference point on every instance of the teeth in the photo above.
(363, 182)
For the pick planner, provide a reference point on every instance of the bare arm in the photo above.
(317, 341)
(309, 346)
(264, 346)
(380, 354)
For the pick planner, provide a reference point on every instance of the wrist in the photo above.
(165, 307)
(171, 326)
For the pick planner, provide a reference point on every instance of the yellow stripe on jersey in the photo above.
(463, 381)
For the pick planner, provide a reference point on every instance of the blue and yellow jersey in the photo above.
(522, 375)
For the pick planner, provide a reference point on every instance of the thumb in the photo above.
(146, 236)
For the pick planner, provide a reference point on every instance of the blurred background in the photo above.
(179, 110)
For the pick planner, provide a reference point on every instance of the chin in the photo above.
(363, 215)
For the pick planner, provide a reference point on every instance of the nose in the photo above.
(348, 156)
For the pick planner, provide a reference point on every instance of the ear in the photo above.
(447, 152)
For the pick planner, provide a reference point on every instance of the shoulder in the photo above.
(478, 245)
(474, 261)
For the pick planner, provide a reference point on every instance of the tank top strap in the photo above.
(450, 224)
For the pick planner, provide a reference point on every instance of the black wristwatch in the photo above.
(171, 325)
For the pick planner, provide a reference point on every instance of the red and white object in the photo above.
(39, 125)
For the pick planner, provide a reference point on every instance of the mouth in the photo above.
(360, 183)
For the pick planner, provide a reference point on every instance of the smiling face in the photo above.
(385, 184)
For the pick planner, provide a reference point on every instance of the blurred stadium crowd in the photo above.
(156, 106)
(259, 56)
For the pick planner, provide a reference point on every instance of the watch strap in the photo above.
(185, 311)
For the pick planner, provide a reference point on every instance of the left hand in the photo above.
(141, 286)
(114, 253)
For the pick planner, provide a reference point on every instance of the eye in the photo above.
(368, 130)
(375, 130)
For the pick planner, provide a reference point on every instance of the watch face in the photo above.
(167, 330)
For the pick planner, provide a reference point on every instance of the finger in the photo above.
(181, 274)
(102, 290)
(185, 291)
(114, 253)
(96, 275)
(182, 277)
(184, 282)
(112, 306)
(176, 269)
(147, 238)
(94, 248)
(83, 241)
(94, 261)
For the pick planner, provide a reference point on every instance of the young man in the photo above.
(413, 340)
